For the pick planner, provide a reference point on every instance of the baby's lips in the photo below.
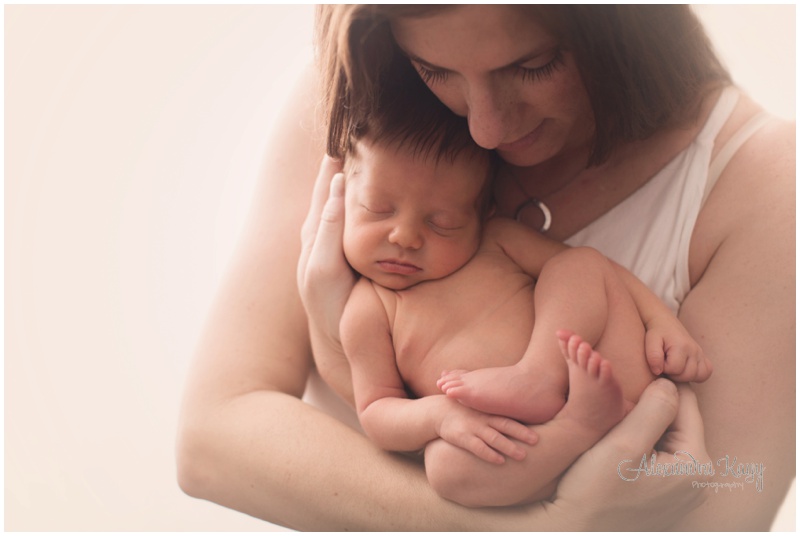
(398, 267)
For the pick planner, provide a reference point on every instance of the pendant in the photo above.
(548, 218)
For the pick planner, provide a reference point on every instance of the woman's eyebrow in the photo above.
(422, 62)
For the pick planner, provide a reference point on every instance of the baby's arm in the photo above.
(529, 249)
(398, 423)
(668, 346)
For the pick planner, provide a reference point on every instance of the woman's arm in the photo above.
(247, 441)
(324, 277)
(742, 310)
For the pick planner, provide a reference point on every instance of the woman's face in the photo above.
(497, 66)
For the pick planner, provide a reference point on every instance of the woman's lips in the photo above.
(524, 142)
(398, 267)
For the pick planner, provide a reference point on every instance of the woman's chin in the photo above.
(521, 159)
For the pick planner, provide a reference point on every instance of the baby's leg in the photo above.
(595, 405)
(577, 290)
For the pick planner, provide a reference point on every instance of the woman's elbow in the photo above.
(193, 464)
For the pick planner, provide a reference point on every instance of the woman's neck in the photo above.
(576, 195)
(554, 174)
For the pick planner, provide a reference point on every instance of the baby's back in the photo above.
(480, 316)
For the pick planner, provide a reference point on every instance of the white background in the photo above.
(133, 137)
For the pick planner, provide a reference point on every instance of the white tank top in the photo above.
(649, 232)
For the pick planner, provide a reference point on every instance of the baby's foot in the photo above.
(595, 402)
(509, 391)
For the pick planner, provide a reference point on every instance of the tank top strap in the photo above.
(726, 103)
(735, 142)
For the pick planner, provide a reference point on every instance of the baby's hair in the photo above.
(409, 117)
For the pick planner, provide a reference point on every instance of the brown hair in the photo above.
(407, 116)
(645, 67)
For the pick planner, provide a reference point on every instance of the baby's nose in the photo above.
(406, 235)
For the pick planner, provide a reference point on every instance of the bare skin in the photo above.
(585, 295)
(741, 261)
(432, 296)
(253, 361)
(596, 401)
(451, 302)
(463, 321)
(223, 456)
(595, 405)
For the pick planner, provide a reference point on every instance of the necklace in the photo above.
(538, 203)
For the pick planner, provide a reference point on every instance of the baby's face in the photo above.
(408, 219)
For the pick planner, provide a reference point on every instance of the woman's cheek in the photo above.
(452, 98)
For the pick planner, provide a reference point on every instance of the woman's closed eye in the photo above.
(432, 75)
(543, 72)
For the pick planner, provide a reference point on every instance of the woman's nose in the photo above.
(487, 115)
(406, 235)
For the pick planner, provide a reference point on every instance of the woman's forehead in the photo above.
(482, 34)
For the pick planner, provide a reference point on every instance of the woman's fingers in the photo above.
(687, 432)
(641, 429)
(328, 168)
(324, 278)
(594, 487)
(319, 200)
(328, 240)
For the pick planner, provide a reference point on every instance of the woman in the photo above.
(555, 90)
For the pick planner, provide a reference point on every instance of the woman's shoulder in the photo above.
(775, 132)
(753, 199)
(761, 167)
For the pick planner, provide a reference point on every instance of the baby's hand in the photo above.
(489, 437)
(672, 351)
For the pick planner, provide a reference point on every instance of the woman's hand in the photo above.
(324, 278)
(323, 275)
(598, 498)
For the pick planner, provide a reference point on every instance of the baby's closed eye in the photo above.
(377, 209)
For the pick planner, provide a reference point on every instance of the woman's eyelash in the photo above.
(537, 74)
(542, 73)
(431, 76)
